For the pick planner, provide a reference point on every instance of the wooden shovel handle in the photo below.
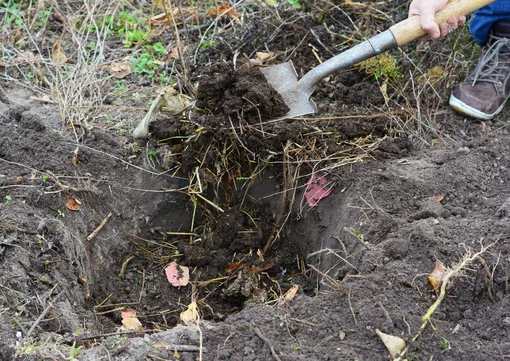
(410, 29)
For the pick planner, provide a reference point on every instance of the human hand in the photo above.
(426, 9)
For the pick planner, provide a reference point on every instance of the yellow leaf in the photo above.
(290, 294)
(262, 56)
(394, 344)
(160, 4)
(175, 103)
(75, 156)
(190, 315)
(130, 321)
(57, 53)
(436, 276)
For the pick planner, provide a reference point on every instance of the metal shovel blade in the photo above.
(283, 78)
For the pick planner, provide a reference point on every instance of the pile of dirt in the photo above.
(239, 95)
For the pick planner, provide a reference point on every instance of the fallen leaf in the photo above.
(27, 57)
(435, 277)
(130, 322)
(190, 315)
(394, 344)
(73, 204)
(316, 189)
(290, 294)
(173, 53)
(58, 54)
(256, 269)
(177, 275)
(75, 156)
(3, 64)
(384, 91)
(232, 267)
(439, 198)
(167, 18)
(175, 103)
(262, 56)
(58, 16)
(224, 10)
(119, 70)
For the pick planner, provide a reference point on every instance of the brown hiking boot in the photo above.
(485, 92)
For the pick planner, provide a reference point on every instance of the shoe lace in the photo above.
(491, 68)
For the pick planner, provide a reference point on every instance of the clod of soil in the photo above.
(238, 94)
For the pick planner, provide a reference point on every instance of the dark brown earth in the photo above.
(402, 198)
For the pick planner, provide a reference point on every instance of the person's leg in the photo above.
(485, 92)
(481, 23)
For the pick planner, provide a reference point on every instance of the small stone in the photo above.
(506, 321)
(341, 335)
(464, 150)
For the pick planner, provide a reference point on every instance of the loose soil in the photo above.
(400, 201)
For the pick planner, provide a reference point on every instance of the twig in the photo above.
(328, 277)
(350, 307)
(379, 303)
(91, 236)
(43, 314)
(268, 343)
(106, 335)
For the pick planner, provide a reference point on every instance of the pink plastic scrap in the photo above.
(316, 189)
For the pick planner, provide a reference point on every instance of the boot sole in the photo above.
(463, 108)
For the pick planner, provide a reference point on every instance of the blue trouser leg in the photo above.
(483, 19)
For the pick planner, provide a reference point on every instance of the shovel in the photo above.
(296, 93)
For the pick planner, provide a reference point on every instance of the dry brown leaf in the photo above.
(130, 321)
(394, 344)
(232, 267)
(167, 18)
(75, 156)
(224, 10)
(262, 268)
(58, 54)
(27, 57)
(3, 64)
(435, 277)
(119, 70)
(190, 315)
(73, 204)
(439, 198)
(173, 54)
(290, 294)
(58, 16)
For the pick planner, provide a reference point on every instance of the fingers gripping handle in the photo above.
(410, 29)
